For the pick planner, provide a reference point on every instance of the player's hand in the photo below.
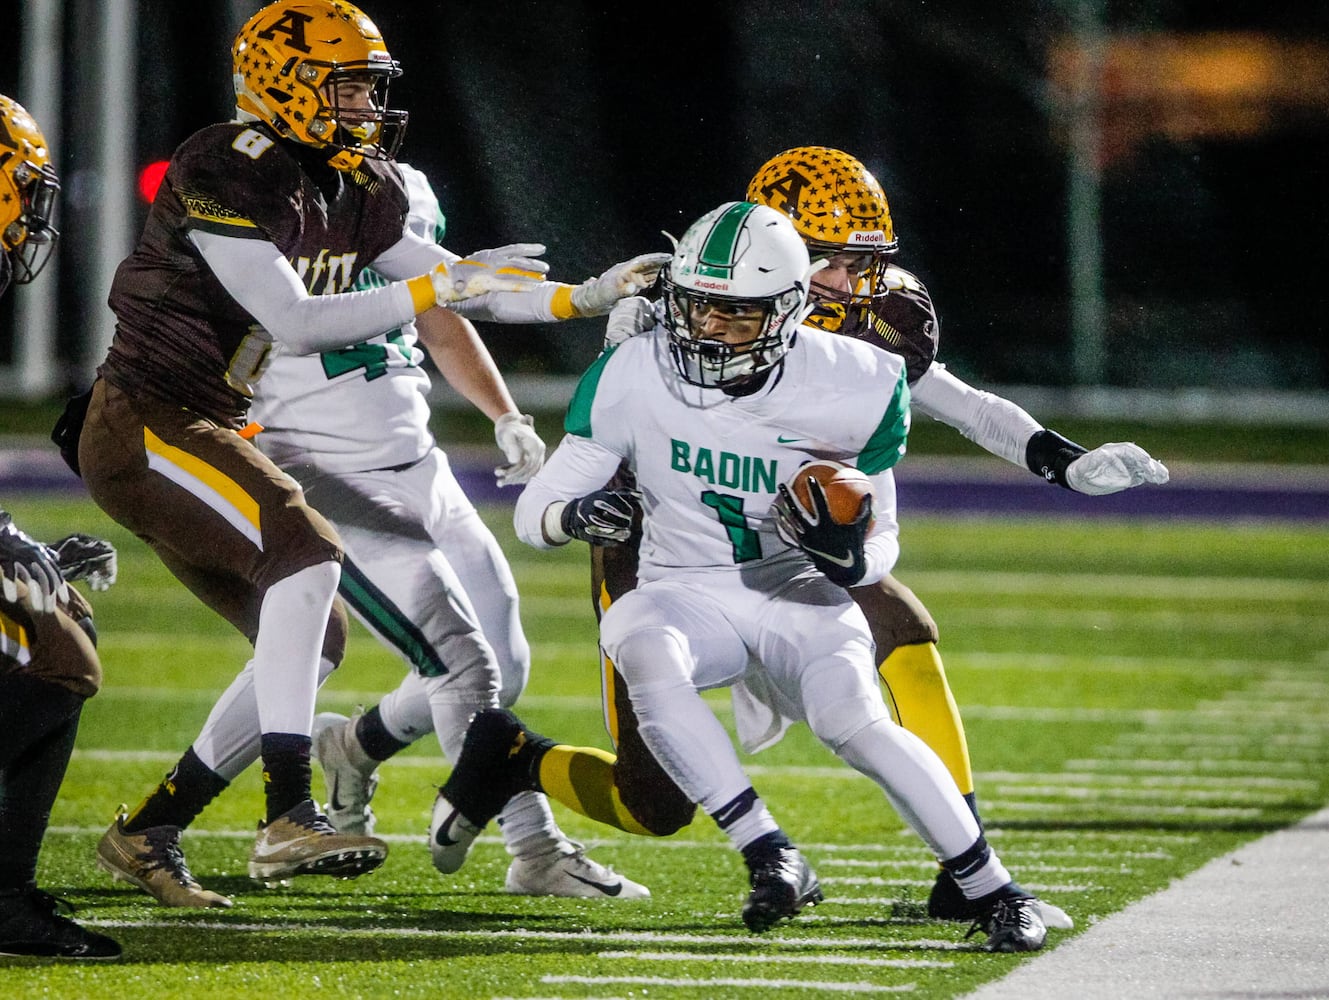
(521, 446)
(82, 557)
(596, 296)
(31, 563)
(602, 518)
(488, 271)
(1111, 468)
(835, 549)
(628, 318)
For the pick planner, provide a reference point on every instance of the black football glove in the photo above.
(83, 557)
(23, 560)
(835, 549)
(602, 518)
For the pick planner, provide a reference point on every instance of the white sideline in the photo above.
(1250, 924)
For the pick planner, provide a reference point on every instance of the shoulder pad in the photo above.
(905, 322)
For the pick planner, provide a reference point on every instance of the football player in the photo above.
(48, 657)
(740, 585)
(420, 568)
(841, 212)
(256, 237)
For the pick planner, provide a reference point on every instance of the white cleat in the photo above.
(567, 871)
(450, 836)
(350, 787)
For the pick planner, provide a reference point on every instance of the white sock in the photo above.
(291, 624)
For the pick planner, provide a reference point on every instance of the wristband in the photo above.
(1048, 453)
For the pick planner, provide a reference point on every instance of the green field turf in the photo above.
(1139, 698)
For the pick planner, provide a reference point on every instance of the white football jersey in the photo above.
(709, 464)
(360, 408)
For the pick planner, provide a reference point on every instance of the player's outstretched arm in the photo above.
(1008, 431)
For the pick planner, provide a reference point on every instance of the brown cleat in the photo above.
(152, 860)
(301, 841)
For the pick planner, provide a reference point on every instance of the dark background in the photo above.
(593, 126)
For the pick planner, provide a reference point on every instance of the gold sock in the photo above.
(582, 778)
(921, 701)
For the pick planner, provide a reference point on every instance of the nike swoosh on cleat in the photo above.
(333, 802)
(609, 889)
(846, 561)
(441, 837)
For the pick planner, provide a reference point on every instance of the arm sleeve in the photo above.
(882, 548)
(577, 467)
(258, 277)
(985, 418)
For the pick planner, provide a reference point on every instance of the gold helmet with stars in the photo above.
(288, 60)
(838, 207)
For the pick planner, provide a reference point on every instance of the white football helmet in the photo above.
(738, 256)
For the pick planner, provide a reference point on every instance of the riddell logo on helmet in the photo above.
(715, 286)
(861, 238)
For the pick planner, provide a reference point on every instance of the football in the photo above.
(845, 488)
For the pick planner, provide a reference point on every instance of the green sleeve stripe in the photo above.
(578, 419)
(887, 444)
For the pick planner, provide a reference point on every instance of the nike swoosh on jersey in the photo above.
(608, 888)
(781, 439)
(846, 560)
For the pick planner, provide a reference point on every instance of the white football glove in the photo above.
(521, 446)
(1111, 468)
(596, 296)
(628, 318)
(512, 268)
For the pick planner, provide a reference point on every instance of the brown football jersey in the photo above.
(180, 337)
(903, 321)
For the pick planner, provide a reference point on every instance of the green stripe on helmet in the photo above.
(716, 257)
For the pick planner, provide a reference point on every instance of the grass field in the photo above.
(1139, 698)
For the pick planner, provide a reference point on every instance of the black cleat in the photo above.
(782, 884)
(35, 923)
(1012, 923)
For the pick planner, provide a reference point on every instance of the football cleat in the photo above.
(1012, 923)
(301, 841)
(350, 789)
(782, 884)
(567, 871)
(152, 860)
(947, 901)
(450, 836)
(35, 923)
